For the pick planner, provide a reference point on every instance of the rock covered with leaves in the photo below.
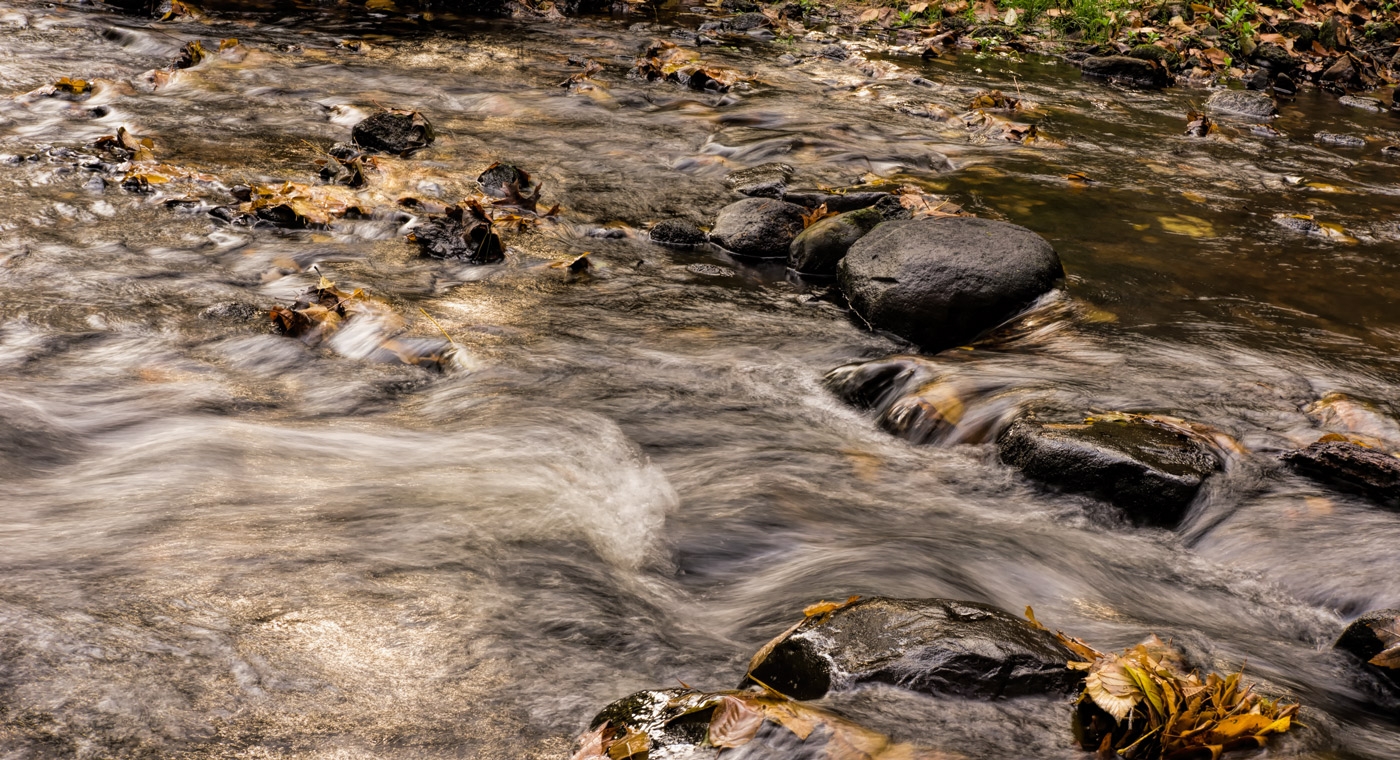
(936, 646)
(1150, 467)
(942, 281)
(1144, 704)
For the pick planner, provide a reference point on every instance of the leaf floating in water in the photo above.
(1190, 226)
(577, 265)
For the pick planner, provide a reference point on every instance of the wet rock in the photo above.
(233, 311)
(941, 282)
(1149, 470)
(462, 234)
(1341, 141)
(711, 270)
(1273, 57)
(935, 646)
(762, 181)
(1343, 74)
(1245, 104)
(1364, 103)
(820, 247)
(1368, 636)
(834, 52)
(1299, 223)
(867, 385)
(499, 177)
(393, 131)
(1284, 85)
(677, 233)
(747, 21)
(662, 716)
(838, 202)
(1349, 467)
(1259, 80)
(1132, 72)
(760, 228)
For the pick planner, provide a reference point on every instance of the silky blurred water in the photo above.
(219, 542)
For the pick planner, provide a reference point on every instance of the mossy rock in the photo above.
(1169, 58)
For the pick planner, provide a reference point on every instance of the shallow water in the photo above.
(219, 542)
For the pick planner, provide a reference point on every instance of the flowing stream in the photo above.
(216, 541)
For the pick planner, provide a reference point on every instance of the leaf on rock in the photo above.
(1112, 688)
(591, 744)
(734, 723)
(826, 608)
(633, 745)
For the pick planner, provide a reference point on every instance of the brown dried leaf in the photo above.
(734, 724)
(632, 745)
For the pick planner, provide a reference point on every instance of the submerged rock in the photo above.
(1349, 467)
(838, 202)
(941, 282)
(935, 646)
(1121, 69)
(1370, 635)
(762, 181)
(1341, 141)
(820, 247)
(1368, 104)
(1149, 470)
(460, 234)
(393, 131)
(867, 385)
(760, 228)
(1248, 104)
(677, 233)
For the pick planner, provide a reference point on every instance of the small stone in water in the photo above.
(394, 131)
(677, 233)
(710, 270)
(1341, 141)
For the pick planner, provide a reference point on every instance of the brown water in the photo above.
(219, 542)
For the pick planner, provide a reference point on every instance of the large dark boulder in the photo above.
(760, 228)
(941, 282)
(393, 131)
(1124, 70)
(935, 646)
(1252, 105)
(1151, 471)
(1348, 467)
(1368, 636)
(820, 247)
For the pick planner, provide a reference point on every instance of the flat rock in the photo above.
(1150, 471)
(393, 131)
(760, 228)
(1125, 70)
(1348, 467)
(1357, 101)
(1247, 104)
(941, 282)
(934, 646)
(762, 181)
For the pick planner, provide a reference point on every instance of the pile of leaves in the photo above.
(318, 313)
(1144, 705)
(732, 719)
